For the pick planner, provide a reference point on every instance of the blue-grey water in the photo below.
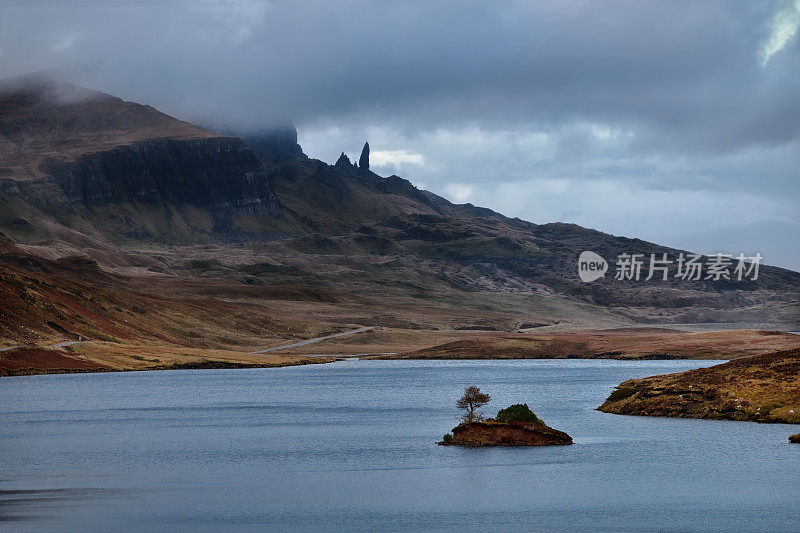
(350, 446)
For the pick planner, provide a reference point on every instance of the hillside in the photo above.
(121, 198)
(72, 298)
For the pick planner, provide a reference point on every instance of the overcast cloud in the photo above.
(676, 122)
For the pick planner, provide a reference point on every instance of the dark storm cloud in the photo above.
(673, 65)
(685, 106)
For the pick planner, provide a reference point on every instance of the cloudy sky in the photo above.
(673, 121)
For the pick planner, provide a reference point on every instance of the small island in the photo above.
(516, 425)
(795, 439)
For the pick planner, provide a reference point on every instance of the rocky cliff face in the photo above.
(276, 145)
(219, 173)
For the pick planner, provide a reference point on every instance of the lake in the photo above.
(351, 446)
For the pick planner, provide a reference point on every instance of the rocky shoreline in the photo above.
(491, 433)
(763, 388)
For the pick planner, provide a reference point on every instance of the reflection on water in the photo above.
(351, 446)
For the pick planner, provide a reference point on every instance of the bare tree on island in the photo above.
(473, 399)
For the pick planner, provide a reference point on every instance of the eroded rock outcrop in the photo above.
(343, 162)
(363, 161)
(492, 433)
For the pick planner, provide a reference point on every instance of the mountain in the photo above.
(161, 205)
(118, 170)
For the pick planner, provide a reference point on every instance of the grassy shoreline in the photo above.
(109, 357)
(763, 388)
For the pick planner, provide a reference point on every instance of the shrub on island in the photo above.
(518, 413)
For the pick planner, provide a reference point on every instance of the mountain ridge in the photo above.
(157, 203)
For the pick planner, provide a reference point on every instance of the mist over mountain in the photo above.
(654, 120)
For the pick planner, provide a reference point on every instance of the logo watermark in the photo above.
(692, 267)
(591, 266)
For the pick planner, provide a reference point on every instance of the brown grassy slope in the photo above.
(106, 357)
(633, 343)
(37, 308)
(34, 360)
(762, 388)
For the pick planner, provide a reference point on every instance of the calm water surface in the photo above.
(350, 446)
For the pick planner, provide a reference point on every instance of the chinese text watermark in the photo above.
(684, 266)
